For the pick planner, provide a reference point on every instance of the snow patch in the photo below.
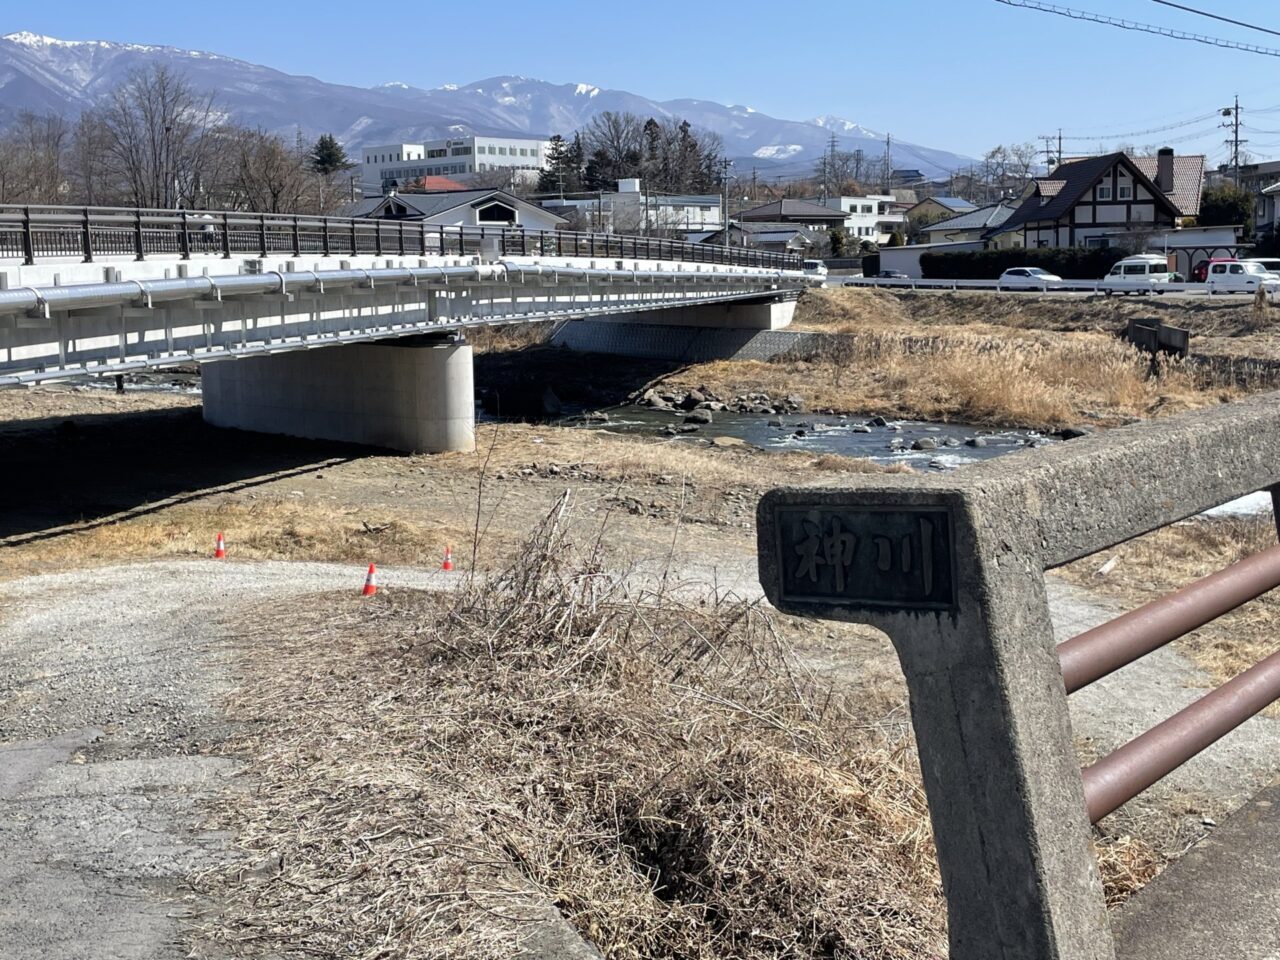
(777, 151)
(393, 85)
(447, 86)
(585, 90)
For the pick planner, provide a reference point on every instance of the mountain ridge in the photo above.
(42, 73)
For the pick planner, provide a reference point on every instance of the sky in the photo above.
(961, 75)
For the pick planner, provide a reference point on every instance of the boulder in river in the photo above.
(976, 442)
(878, 422)
(698, 416)
(925, 443)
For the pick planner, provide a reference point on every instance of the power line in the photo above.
(1141, 27)
(1141, 133)
(1215, 16)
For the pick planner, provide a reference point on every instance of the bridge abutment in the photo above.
(411, 394)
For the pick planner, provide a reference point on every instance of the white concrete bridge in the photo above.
(263, 302)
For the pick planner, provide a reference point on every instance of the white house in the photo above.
(873, 217)
(633, 210)
(385, 167)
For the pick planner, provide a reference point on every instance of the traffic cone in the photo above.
(448, 558)
(370, 582)
(220, 548)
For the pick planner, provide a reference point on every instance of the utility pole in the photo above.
(1234, 143)
(725, 164)
(1059, 144)
(753, 185)
(888, 161)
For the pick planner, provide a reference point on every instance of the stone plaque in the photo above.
(896, 557)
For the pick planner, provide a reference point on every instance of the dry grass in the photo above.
(1029, 380)
(659, 769)
(427, 773)
(267, 528)
(1161, 562)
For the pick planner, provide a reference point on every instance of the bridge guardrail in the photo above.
(31, 233)
(1064, 286)
(951, 569)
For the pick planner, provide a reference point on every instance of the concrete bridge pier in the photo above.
(415, 394)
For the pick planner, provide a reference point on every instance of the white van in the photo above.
(815, 268)
(1239, 276)
(1269, 264)
(1142, 273)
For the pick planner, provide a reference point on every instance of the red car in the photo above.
(1200, 272)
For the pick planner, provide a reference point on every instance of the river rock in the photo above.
(698, 416)
(688, 428)
(795, 402)
(859, 428)
(878, 422)
(728, 441)
(801, 432)
(1073, 433)
(976, 442)
(951, 442)
(925, 443)
(775, 423)
(760, 408)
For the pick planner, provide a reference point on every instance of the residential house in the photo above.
(761, 235)
(796, 213)
(1106, 200)
(633, 210)
(454, 208)
(937, 208)
(974, 225)
(873, 217)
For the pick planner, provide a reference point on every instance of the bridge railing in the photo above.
(951, 569)
(35, 233)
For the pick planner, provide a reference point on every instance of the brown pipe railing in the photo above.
(1123, 774)
(32, 233)
(1104, 649)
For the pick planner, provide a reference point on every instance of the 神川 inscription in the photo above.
(865, 556)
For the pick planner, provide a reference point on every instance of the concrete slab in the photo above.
(1220, 901)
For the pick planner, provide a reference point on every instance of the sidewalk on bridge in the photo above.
(1219, 901)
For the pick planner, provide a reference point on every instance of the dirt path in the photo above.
(109, 729)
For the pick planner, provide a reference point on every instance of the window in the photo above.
(461, 151)
(502, 151)
(438, 152)
(1219, 268)
(524, 152)
(1124, 192)
(492, 149)
(1104, 191)
(1236, 268)
(1133, 269)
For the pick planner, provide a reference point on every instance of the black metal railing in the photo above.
(33, 233)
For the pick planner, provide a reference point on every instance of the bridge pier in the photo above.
(415, 394)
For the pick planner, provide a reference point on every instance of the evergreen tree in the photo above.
(328, 157)
(562, 173)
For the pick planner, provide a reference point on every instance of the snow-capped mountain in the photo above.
(42, 74)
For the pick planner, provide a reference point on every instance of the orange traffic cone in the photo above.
(448, 558)
(370, 582)
(220, 548)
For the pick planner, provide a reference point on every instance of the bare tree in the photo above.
(88, 169)
(33, 160)
(158, 138)
(262, 173)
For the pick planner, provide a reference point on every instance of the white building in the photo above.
(385, 167)
(873, 217)
(632, 210)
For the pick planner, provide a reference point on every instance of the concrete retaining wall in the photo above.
(689, 344)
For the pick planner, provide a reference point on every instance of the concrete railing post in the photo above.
(953, 577)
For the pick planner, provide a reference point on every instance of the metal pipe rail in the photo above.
(1124, 773)
(33, 233)
(1106, 648)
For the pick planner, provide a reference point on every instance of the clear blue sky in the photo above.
(956, 74)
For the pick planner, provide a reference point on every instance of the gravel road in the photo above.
(110, 680)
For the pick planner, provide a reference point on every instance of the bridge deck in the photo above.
(1221, 901)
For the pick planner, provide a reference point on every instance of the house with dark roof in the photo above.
(761, 235)
(938, 208)
(1101, 201)
(973, 225)
(795, 213)
(458, 208)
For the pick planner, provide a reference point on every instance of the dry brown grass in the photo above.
(1161, 562)
(659, 769)
(267, 528)
(1028, 380)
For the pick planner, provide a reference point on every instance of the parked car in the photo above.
(1143, 273)
(892, 275)
(1269, 264)
(1200, 272)
(815, 268)
(1025, 278)
(1240, 276)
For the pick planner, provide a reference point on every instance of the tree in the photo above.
(1226, 205)
(158, 135)
(264, 173)
(33, 160)
(328, 156)
(896, 239)
(563, 173)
